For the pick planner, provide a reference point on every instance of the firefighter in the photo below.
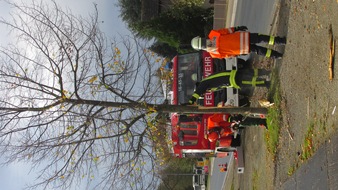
(231, 79)
(235, 41)
(222, 125)
(219, 126)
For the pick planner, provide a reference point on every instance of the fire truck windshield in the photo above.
(188, 74)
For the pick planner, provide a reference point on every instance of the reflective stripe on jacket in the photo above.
(229, 43)
(216, 82)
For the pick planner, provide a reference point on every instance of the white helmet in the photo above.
(198, 43)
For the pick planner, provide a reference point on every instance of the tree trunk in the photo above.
(201, 109)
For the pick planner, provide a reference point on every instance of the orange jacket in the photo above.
(229, 43)
(220, 120)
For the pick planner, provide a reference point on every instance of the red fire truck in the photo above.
(189, 132)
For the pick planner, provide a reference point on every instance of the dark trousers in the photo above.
(260, 50)
(250, 77)
(253, 122)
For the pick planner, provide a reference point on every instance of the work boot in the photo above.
(276, 55)
(265, 77)
(263, 72)
(280, 40)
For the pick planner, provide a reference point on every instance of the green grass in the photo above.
(232, 186)
(211, 160)
(255, 178)
(307, 147)
(274, 118)
(291, 170)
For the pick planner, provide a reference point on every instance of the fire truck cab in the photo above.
(193, 67)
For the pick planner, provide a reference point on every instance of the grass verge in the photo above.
(274, 118)
(255, 179)
(307, 147)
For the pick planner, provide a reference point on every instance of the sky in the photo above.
(15, 176)
(108, 12)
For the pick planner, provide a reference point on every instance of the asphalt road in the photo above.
(256, 15)
(320, 172)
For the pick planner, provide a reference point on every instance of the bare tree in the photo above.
(64, 86)
(70, 100)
